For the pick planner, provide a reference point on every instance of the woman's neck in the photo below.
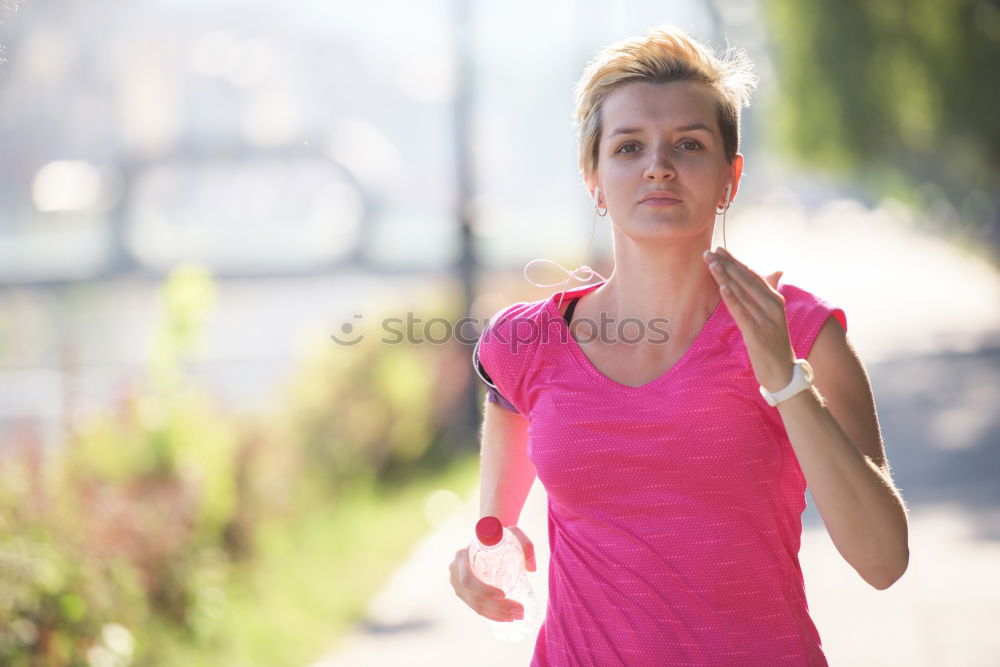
(666, 281)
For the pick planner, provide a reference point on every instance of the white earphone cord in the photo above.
(587, 272)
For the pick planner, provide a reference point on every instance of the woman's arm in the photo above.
(506, 475)
(835, 434)
(505, 471)
(833, 427)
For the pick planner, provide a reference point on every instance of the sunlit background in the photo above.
(197, 198)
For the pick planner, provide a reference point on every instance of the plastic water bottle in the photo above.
(498, 559)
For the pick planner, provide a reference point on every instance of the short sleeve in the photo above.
(503, 351)
(807, 313)
(492, 393)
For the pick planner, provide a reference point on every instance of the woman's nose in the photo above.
(660, 165)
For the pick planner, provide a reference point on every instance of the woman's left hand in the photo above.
(759, 310)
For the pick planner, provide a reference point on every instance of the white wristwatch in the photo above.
(802, 379)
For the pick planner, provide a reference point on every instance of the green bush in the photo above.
(125, 542)
(376, 408)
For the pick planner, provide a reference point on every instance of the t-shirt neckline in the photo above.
(584, 361)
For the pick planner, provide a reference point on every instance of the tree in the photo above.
(902, 95)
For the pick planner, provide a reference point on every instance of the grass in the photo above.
(313, 576)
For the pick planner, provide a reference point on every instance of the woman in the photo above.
(675, 466)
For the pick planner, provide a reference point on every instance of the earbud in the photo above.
(725, 206)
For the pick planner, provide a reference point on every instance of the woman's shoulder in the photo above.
(515, 314)
(807, 312)
(800, 300)
(796, 292)
(514, 327)
(793, 289)
(507, 347)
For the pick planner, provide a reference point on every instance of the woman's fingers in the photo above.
(749, 279)
(758, 308)
(484, 599)
(746, 284)
(469, 583)
(744, 309)
(738, 305)
(528, 546)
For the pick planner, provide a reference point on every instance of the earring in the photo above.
(597, 197)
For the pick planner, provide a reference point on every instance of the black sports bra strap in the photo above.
(568, 315)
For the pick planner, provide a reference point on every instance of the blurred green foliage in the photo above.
(901, 95)
(139, 534)
(363, 409)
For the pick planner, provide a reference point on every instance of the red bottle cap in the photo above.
(489, 530)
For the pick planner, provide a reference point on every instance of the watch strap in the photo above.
(802, 379)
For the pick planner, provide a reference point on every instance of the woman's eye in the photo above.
(690, 142)
(621, 149)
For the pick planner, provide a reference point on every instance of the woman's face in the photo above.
(665, 139)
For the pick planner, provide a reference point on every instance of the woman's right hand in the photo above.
(487, 600)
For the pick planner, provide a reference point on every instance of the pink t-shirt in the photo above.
(674, 508)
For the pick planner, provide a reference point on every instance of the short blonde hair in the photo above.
(664, 55)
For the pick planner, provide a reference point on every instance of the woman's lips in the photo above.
(660, 201)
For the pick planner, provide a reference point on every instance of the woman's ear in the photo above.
(594, 189)
(735, 173)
